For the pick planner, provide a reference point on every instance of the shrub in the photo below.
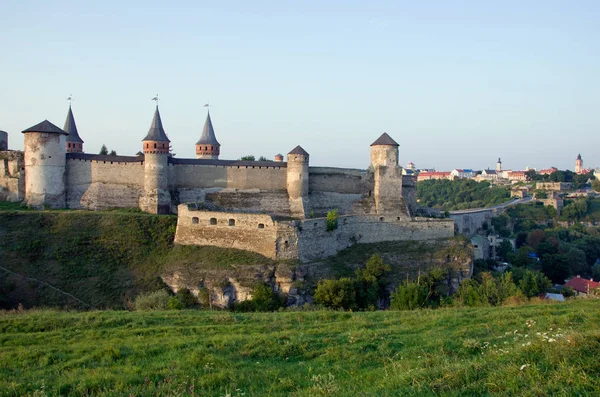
(186, 298)
(264, 299)
(332, 220)
(410, 296)
(203, 297)
(336, 294)
(157, 300)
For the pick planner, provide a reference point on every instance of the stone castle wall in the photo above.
(12, 177)
(100, 182)
(305, 240)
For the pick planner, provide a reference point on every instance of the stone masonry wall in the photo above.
(12, 180)
(305, 240)
(102, 184)
(194, 176)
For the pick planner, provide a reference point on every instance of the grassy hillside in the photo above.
(535, 350)
(106, 258)
(102, 258)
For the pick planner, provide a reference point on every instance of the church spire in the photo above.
(74, 142)
(207, 146)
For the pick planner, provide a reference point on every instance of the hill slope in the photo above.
(107, 258)
(536, 350)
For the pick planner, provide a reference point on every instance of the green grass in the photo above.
(103, 258)
(535, 350)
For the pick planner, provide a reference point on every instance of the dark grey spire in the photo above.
(47, 127)
(71, 128)
(386, 140)
(156, 132)
(208, 134)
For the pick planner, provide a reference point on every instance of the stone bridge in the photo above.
(470, 222)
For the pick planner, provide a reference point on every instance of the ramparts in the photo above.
(303, 239)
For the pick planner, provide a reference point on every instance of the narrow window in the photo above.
(213, 221)
(381, 219)
(345, 221)
(195, 220)
(155, 146)
(261, 225)
(397, 218)
(232, 222)
(286, 244)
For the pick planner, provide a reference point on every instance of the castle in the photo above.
(276, 208)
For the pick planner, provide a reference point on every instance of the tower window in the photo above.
(381, 219)
(286, 244)
(213, 221)
(195, 220)
(232, 222)
(261, 225)
(155, 146)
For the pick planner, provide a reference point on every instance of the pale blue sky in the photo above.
(456, 83)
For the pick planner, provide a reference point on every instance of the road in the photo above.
(495, 207)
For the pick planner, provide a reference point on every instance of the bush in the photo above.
(264, 299)
(410, 296)
(336, 294)
(332, 220)
(157, 300)
(183, 299)
(204, 297)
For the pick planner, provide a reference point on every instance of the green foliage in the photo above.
(469, 293)
(575, 211)
(204, 297)
(332, 220)
(534, 283)
(596, 185)
(157, 300)
(460, 194)
(263, 158)
(103, 150)
(264, 299)
(568, 292)
(501, 225)
(370, 284)
(336, 294)
(504, 249)
(248, 157)
(409, 296)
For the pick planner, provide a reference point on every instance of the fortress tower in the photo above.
(297, 181)
(388, 176)
(578, 164)
(156, 198)
(207, 146)
(3, 140)
(499, 165)
(45, 161)
(74, 142)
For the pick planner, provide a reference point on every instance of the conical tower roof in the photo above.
(156, 132)
(71, 128)
(385, 139)
(579, 156)
(47, 127)
(208, 134)
(299, 150)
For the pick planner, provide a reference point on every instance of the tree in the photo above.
(263, 158)
(248, 157)
(171, 152)
(503, 249)
(596, 185)
(332, 220)
(112, 153)
(556, 267)
(489, 289)
(369, 282)
(103, 150)
(469, 293)
(336, 294)
(535, 237)
(507, 287)
(409, 296)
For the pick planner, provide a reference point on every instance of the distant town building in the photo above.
(488, 175)
(410, 166)
(582, 285)
(499, 165)
(548, 171)
(553, 186)
(425, 176)
(462, 173)
(517, 176)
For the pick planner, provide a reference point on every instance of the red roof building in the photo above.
(425, 176)
(582, 285)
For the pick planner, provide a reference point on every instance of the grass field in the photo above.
(535, 350)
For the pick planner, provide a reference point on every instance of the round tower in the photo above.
(156, 198)
(384, 152)
(297, 173)
(499, 165)
(279, 158)
(207, 146)
(45, 162)
(74, 142)
(578, 164)
(3, 140)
